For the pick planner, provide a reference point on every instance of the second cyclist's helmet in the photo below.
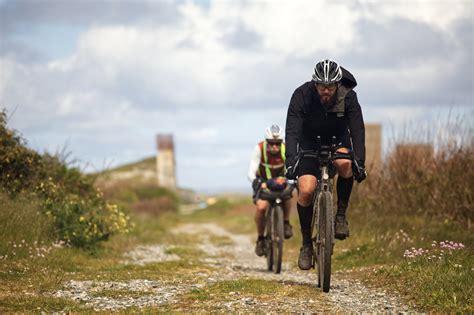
(274, 133)
(327, 72)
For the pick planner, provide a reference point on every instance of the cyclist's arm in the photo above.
(254, 164)
(294, 123)
(356, 125)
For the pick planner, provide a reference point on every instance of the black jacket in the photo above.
(307, 118)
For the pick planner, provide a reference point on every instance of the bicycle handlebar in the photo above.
(270, 195)
(325, 153)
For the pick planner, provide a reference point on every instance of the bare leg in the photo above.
(260, 216)
(306, 187)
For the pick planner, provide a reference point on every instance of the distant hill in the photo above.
(139, 173)
(142, 171)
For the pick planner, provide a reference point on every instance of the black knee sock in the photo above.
(344, 189)
(306, 215)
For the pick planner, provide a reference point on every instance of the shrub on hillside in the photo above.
(140, 197)
(81, 216)
(424, 179)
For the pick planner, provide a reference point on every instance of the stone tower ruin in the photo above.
(373, 147)
(165, 161)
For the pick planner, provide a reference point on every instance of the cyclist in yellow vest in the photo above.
(268, 161)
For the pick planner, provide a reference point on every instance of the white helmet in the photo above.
(274, 133)
(327, 72)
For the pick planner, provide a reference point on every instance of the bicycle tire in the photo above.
(277, 240)
(315, 235)
(326, 232)
(268, 239)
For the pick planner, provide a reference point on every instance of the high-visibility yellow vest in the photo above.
(267, 164)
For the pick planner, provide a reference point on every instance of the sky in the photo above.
(101, 78)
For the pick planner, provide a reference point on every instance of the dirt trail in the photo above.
(232, 259)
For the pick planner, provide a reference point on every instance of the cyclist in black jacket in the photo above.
(327, 106)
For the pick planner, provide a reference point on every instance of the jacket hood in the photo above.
(348, 79)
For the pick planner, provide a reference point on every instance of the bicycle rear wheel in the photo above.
(326, 237)
(277, 239)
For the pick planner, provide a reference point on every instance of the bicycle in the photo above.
(274, 234)
(322, 223)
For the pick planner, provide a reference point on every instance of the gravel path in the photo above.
(235, 260)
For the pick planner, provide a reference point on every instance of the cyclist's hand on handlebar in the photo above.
(290, 172)
(257, 182)
(290, 168)
(360, 174)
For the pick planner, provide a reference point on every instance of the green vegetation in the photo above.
(423, 195)
(24, 229)
(77, 211)
(139, 197)
(144, 164)
(440, 277)
(434, 284)
(26, 283)
(262, 289)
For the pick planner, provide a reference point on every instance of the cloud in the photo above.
(435, 13)
(216, 75)
(20, 15)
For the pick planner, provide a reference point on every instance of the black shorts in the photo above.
(308, 166)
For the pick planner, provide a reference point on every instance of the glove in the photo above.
(257, 182)
(290, 168)
(358, 169)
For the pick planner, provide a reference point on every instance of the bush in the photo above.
(423, 180)
(81, 217)
(140, 197)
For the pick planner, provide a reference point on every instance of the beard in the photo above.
(328, 100)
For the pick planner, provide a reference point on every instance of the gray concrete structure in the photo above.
(165, 162)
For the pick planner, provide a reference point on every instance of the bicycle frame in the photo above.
(322, 200)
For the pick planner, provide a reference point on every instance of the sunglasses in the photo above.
(272, 143)
(329, 87)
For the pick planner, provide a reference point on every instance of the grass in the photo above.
(186, 252)
(120, 293)
(146, 163)
(24, 229)
(20, 303)
(139, 196)
(220, 240)
(445, 284)
(258, 291)
(24, 278)
(377, 241)
(262, 289)
(427, 285)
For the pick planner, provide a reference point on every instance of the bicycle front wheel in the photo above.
(277, 239)
(326, 238)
